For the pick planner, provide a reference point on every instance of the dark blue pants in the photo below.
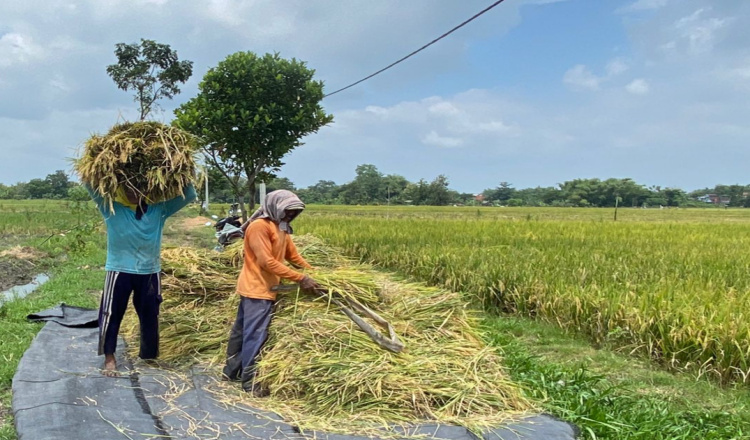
(146, 291)
(247, 337)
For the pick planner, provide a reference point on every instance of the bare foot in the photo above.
(110, 366)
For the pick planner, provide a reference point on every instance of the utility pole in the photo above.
(205, 200)
(617, 202)
(262, 191)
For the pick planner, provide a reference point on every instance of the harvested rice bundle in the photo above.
(149, 158)
(322, 372)
(318, 366)
(202, 274)
(192, 330)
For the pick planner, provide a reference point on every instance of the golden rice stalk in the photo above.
(152, 159)
(322, 371)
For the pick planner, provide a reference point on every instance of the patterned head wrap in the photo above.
(275, 207)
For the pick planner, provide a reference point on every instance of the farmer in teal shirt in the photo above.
(133, 264)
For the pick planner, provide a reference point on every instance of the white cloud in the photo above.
(59, 83)
(376, 110)
(616, 67)
(643, 5)
(638, 87)
(700, 33)
(495, 127)
(689, 19)
(434, 139)
(17, 48)
(668, 46)
(702, 36)
(742, 73)
(580, 77)
(443, 108)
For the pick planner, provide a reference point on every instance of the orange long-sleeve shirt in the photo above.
(265, 250)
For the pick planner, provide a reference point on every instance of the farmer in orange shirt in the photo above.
(268, 243)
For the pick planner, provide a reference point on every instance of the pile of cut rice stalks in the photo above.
(323, 373)
(150, 158)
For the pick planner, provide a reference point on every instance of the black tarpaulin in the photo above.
(59, 393)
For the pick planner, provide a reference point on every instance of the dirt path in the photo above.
(190, 231)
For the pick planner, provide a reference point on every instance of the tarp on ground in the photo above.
(69, 316)
(59, 393)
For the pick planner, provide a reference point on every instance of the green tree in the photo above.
(366, 188)
(675, 197)
(538, 196)
(219, 189)
(736, 195)
(323, 192)
(501, 194)
(417, 193)
(393, 188)
(39, 189)
(466, 198)
(438, 193)
(594, 192)
(280, 183)
(250, 112)
(59, 184)
(151, 69)
(20, 191)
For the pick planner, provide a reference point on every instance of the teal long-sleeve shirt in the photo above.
(134, 245)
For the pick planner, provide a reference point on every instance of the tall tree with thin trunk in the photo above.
(151, 69)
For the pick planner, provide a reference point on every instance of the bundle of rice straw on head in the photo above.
(322, 372)
(148, 158)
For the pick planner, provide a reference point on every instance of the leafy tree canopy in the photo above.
(250, 112)
(151, 69)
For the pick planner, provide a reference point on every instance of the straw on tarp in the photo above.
(321, 371)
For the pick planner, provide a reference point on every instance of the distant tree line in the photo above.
(371, 187)
(54, 186)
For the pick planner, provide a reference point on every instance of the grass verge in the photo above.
(612, 396)
(76, 265)
(76, 277)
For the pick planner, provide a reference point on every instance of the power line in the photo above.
(418, 50)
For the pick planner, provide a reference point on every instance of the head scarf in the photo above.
(275, 207)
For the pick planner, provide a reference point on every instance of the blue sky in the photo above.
(535, 92)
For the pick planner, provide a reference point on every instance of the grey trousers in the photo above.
(246, 339)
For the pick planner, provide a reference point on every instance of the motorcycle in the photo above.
(228, 228)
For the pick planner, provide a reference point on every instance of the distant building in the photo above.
(715, 199)
(479, 197)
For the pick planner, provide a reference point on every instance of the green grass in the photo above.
(612, 396)
(75, 280)
(76, 265)
(75, 262)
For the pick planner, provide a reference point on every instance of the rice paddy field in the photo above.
(673, 284)
(28, 219)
